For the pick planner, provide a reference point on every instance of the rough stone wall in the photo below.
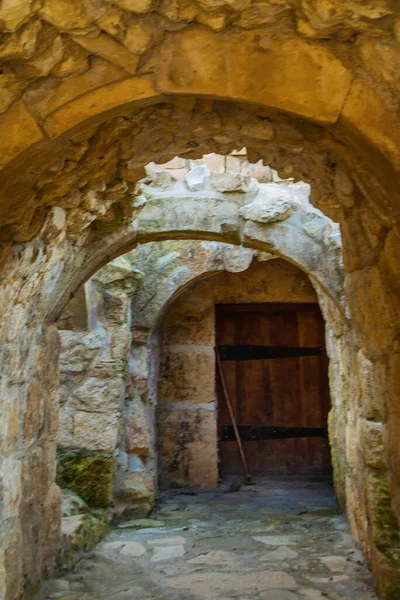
(187, 403)
(30, 501)
(93, 367)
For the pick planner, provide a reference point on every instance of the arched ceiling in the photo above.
(93, 90)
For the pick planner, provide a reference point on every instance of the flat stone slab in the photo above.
(213, 584)
(215, 557)
(281, 553)
(133, 549)
(256, 544)
(141, 524)
(275, 540)
(336, 564)
(280, 595)
(167, 541)
(167, 552)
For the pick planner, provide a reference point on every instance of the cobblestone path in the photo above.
(271, 541)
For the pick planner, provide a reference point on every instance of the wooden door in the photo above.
(286, 392)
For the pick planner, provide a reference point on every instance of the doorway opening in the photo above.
(275, 369)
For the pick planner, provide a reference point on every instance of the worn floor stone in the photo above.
(212, 545)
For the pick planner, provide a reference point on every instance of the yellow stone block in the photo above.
(18, 131)
(100, 101)
(368, 115)
(290, 75)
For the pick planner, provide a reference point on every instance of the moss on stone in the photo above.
(385, 533)
(91, 477)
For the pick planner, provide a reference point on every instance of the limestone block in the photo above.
(315, 225)
(187, 374)
(263, 130)
(100, 74)
(66, 14)
(11, 478)
(196, 177)
(137, 38)
(106, 47)
(98, 395)
(139, 363)
(78, 349)
(230, 182)
(368, 295)
(190, 323)
(303, 79)
(34, 409)
(91, 477)
(10, 87)
(274, 202)
(371, 442)
(10, 408)
(184, 434)
(137, 434)
(72, 504)
(190, 214)
(98, 101)
(135, 6)
(13, 13)
(120, 275)
(120, 343)
(376, 122)
(136, 488)
(88, 431)
(158, 177)
(236, 258)
(390, 262)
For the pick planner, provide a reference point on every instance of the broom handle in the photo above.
(235, 429)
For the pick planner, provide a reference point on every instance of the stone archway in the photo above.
(308, 239)
(329, 117)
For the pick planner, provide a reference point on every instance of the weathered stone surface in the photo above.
(88, 431)
(18, 130)
(137, 436)
(186, 375)
(137, 38)
(208, 60)
(195, 179)
(185, 434)
(273, 203)
(106, 47)
(137, 488)
(230, 182)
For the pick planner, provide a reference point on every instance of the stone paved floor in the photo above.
(272, 541)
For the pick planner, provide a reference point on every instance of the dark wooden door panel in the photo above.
(287, 392)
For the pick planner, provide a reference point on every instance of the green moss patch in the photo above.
(91, 477)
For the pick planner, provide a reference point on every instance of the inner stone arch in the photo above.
(160, 186)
